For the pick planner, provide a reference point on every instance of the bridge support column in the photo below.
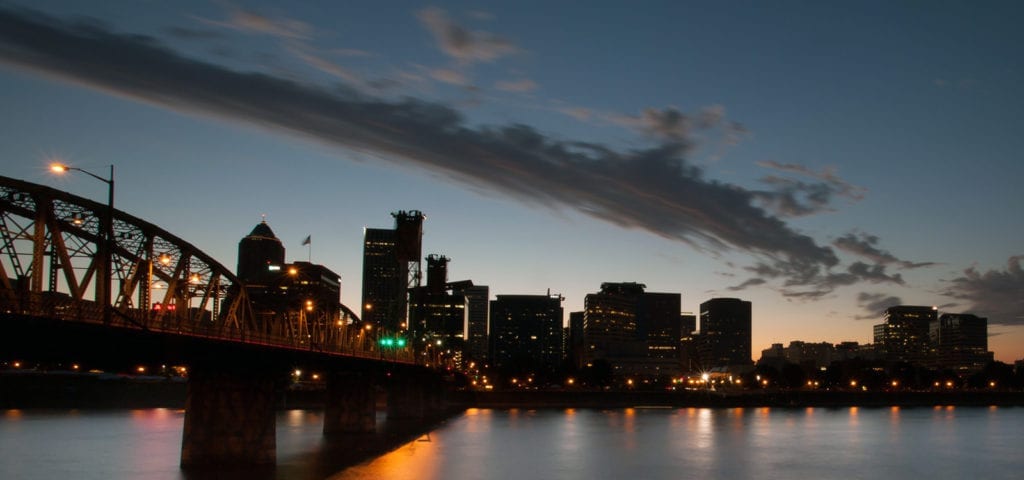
(435, 400)
(406, 398)
(229, 418)
(351, 404)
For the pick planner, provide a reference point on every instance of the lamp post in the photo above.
(107, 244)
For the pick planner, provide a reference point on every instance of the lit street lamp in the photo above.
(107, 244)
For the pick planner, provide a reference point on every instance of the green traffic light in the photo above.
(392, 342)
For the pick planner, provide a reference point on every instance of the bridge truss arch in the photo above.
(50, 264)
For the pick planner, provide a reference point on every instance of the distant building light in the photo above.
(273, 268)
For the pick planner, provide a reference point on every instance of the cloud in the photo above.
(796, 198)
(670, 123)
(864, 245)
(996, 294)
(803, 279)
(875, 304)
(516, 86)
(325, 65)
(461, 44)
(193, 33)
(249, 21)
(753, 282)
(447, 75)
(654, 188)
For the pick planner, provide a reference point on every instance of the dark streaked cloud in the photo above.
(653, 188)
(790, 197)
(996, 294)
(753, 282)
(865, 245)
(875, 304)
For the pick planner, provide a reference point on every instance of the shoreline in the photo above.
(73, 390)
(740, 399)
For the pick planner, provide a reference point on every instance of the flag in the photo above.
(308, 240)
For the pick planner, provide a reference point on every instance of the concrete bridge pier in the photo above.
(230, 417)
(416, 396)
(351, 404)
(406, 397)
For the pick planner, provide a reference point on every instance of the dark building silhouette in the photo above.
(688, 358)
(659, 324)
(439, 314)
(610, 322)
(575, 351)
(306, 294)
(391, 267)
(961, 342)
(384, 277)
(725, 334)
(526, 333)
(905, 335)
(260, 256)
(638, 333)
(477, 321)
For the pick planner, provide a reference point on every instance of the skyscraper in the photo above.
(260, 254)
(905, 334)
(384, 280)
(526, 332)
(638, 333)
(301, 298)
(961, 342)
(659, 324)
(478, 314)
(610, 323)
(725, 333)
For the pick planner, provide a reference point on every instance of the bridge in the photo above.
(79, 280)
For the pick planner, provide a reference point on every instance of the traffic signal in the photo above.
(390, 342)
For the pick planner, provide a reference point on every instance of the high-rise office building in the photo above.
(659, 324)
(638, 333)
(438, 311)
(296, 296)
(477, 315)
(526, 332)
(260, 255)
(688, 359)
(961, 342)
(905, 335)
(610, 322)
(725, 333)
(384, 280)
(575, 341)
(390, 268)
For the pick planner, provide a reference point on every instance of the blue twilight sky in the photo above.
(823, 160)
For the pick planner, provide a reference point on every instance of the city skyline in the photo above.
(823, 162)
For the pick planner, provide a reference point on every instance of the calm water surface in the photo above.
(933, 443)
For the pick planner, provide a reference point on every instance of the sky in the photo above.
(823, 160)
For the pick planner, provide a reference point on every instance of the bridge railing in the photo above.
(346, 341)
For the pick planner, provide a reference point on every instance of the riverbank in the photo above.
(78, 390)
(713, 399)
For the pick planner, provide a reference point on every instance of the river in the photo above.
(849, 443)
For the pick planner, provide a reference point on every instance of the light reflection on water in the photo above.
(735, 443)
(762, 443)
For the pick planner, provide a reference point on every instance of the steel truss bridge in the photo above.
(51, 259)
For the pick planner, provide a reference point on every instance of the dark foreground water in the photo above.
(761, 443)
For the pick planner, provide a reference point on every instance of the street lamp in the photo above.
(107, 244)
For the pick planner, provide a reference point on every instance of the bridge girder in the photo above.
(50, 264)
